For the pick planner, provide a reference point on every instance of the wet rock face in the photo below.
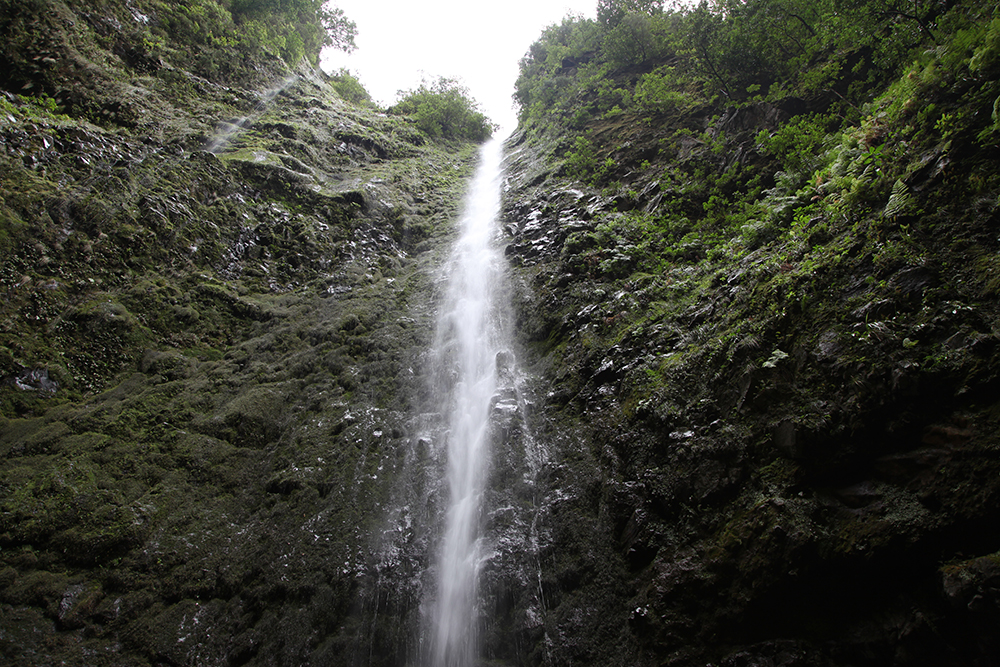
(215, 449)
(775, 482)
(209, 360)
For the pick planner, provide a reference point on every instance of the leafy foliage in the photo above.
(661, 91)
(611, 12)
(444, 110)
(321, 23)
(350, 88)
(728, 51)
(293, 30)
(862, 102)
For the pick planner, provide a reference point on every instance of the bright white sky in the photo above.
(402, 42)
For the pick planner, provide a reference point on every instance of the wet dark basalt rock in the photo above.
(785, 497)
(214, 441)
(208, 359)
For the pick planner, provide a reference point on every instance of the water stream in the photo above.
(455, 574)
(470, 354)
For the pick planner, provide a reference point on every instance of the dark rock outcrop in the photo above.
(773, 447)
(791, 462)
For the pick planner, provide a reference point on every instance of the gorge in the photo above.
(697, 367)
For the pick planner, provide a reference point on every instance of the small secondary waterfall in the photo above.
(469, 354)
(228, 129)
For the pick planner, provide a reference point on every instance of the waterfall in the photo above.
(469, 356)
(455, 578)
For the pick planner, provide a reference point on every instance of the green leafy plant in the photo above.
(349, 87)
(661, 91)
(444, 110)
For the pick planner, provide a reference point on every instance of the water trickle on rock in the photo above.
(471, 338)
(228, 129)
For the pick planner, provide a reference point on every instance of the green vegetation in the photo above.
(350, 88)
(729, 52)
(98, 59)
(293, 30)
(650, 100)
(443, 110)
(762, 255)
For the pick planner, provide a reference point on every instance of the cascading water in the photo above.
(470, 346)
(455, 578)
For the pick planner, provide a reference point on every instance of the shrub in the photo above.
(444, 110)
(350, 88)
(660, 91)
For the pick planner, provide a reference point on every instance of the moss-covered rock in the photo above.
(781, 375)
(206, 354)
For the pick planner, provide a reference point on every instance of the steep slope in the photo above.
(770, 328)
(218, 281)
(754, 260)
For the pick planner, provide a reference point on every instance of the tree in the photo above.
(350, 88)
(631, 41)
(317, 23)
(444, 110)
(340, 30)
(611, 12)
(561, 48)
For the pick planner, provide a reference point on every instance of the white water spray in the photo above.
(228, 129)
(470, 345)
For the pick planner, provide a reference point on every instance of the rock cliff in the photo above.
(770, 332)
(219, 289)
(770, 445)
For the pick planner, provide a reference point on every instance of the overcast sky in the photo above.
(402, 42)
